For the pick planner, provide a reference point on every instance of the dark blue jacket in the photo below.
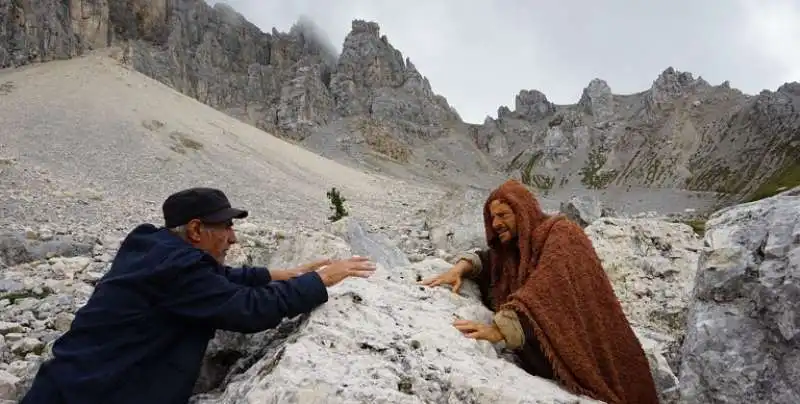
(142, 335)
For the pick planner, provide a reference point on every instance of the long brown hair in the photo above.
(510, 263)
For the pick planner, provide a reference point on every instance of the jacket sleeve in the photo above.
(248, 276)
(202, 295)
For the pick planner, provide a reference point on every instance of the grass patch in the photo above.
(698, 225)
(184, 143)
(591, 174)
(786, 178)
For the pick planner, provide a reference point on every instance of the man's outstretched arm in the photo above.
(200, 294)
(259, 276)
(248, 276)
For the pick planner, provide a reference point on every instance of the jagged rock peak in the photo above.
(315, 37)
(792, 88)
(373, 79)
(671, 84)
(410, 66)
(365, 27)
(674, 81)
(226, 11)
(533, 105)
(597, 99)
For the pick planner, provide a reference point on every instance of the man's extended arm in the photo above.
(259, 276)
(201, 294)
(248, 276)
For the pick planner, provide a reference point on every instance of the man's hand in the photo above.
(284, 274)
(475, 330)
(338, 270)
(452, 277)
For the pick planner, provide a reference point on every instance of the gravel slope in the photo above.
(88, 142)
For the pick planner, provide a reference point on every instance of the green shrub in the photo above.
(337, 205)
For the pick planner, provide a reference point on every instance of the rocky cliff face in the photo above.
(286, 83)
(681, 133)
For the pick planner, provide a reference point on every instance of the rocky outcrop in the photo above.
(583, 210)
(681, 133)
(743, 337)
(383, 338)
(405, 352)
(652, 265)
(597, 99)
(373, 80)
(40, 31)
(276, 81)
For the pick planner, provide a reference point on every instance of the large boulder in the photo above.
(651, 264)
(382, 339)
(583, 209)
(386, 339)
(455, 223)
(743, 339)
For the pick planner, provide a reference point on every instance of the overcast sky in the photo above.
(480, 54)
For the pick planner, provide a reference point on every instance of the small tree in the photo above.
(337, 205)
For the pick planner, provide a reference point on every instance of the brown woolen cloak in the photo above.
(557, 281)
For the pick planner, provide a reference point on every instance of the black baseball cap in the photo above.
(207, 204)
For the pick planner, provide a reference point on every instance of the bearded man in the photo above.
(554, 305)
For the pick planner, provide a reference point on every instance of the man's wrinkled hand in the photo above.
(475, 330)
(452, 277)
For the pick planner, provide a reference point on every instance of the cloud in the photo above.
(773, 29)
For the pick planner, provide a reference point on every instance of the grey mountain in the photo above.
(369, 106)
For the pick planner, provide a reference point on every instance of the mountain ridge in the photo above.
(370, 107)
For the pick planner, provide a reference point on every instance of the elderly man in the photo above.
(555, 306)
(142, 335)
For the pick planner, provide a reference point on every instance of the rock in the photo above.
(402, 355)
(26, 345)
(532, 105)
(8, 328)
(376, 246)
(407, 352)
(656, 348)
(8, 386)
(583, 210)
(597, 99)
(671, 84)
(651, 265)
(455, 223)
(16, 249)
(743, 338)
(372, 79)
